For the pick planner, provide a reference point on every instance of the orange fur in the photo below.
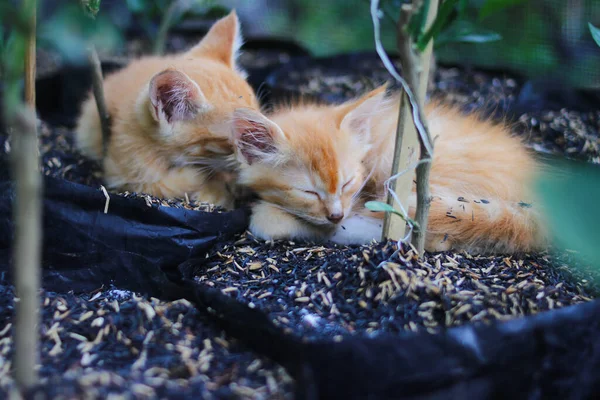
(480, 176)
(166, 113)
(299, 167)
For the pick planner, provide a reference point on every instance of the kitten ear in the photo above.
(256, 138)
(175, 97)
(222, 42)
(355, 116)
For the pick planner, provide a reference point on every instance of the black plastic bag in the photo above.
(132, 246)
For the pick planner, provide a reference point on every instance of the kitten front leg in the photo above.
(271, 223)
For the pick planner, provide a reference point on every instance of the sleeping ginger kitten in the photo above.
(165, 113)
(313, 168)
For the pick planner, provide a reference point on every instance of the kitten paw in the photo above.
(358, 229)
(271, 223)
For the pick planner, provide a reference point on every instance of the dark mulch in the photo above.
(111, 341)
(330, 290)
(561, 131)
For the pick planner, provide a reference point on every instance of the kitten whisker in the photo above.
(365, 181)
(218, 163)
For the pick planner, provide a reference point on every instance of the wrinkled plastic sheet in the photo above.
(133, 246)
(153, 250)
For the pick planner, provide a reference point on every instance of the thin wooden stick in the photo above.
(27, 213)
(28, 234)
(405, 148)
(30, 64)
(407, 138)
(165, 25)
(406, 141)
(98, 89)
(415, 70)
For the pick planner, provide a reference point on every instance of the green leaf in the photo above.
(12, 71)
(466, 32)
(70, 32)
(493, 6)
(462, 8)
(91, 7)
(595, 33)
(379, 206)
(417, 22)
(569, 193)
(11, 17)
(442, 17)
(473, 37)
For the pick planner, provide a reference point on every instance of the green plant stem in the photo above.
(415, 69)
(27, 215)
(98, 89)
(21, 120)
(30, 60)
(165, 25)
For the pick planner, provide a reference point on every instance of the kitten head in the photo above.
(200, 90)
(307, 160)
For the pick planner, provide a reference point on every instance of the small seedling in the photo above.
(379, 206)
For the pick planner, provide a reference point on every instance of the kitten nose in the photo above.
(336, 217)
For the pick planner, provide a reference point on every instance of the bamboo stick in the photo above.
(415, 70)
(26, 211)
(98, 89)
(30, 59)
(26, 248)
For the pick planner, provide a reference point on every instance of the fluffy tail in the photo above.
(483, 225)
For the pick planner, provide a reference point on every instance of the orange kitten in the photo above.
(165, 112)
(314, 167)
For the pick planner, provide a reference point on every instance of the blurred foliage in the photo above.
(340, 26)
(569, 193)
(14, 30)
(150, 13)
(7, 52)
(540, 38)
(466, 32)
(179, 9)
(70, 31)
(595, 33)
(451, 26)
(490, 7)
(91, 7)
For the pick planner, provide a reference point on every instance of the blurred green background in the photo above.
(545, 39)
(540, 38)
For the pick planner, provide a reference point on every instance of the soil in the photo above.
(113, 342)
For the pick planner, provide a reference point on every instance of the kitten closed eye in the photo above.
(347, 183)
(312, 193)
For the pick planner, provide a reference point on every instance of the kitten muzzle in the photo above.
(336, 217)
